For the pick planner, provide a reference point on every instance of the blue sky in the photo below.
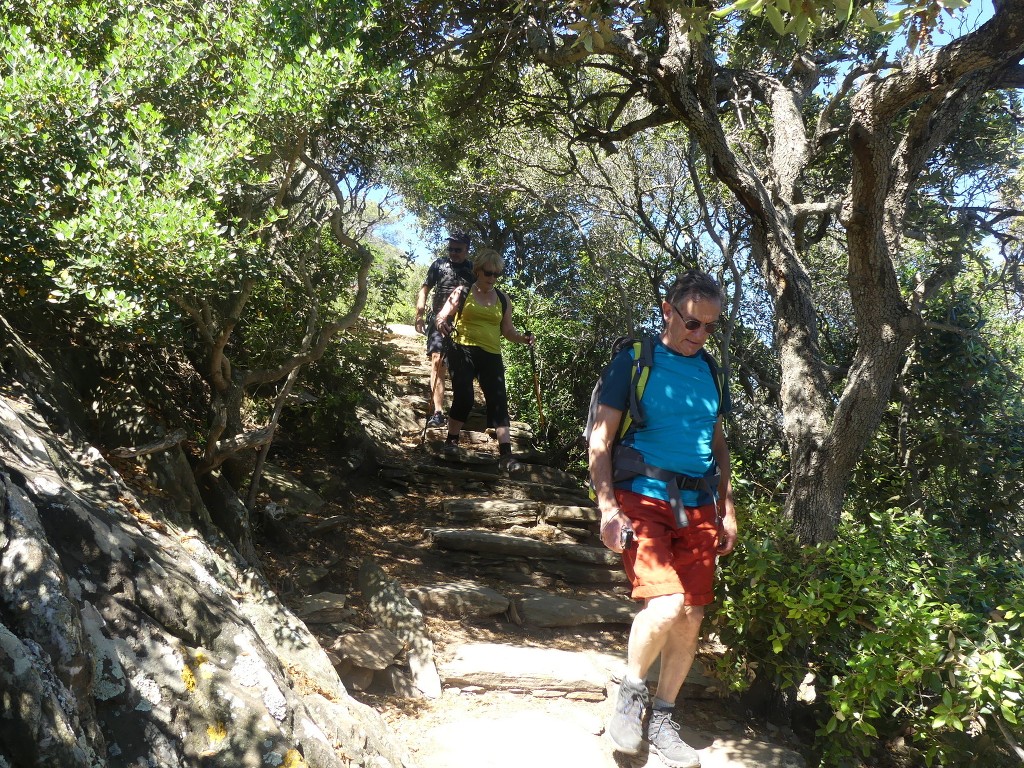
(405, 233)
(964, 21)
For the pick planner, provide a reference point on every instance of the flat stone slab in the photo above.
(496, 666)
(513, 740)
(539, 473)
(556, 611)
(323, 608)
(559, 735)
(520, 546)
(465, 455)
(392, 610)
(373, 649)
(727, 752)
(286, 489)
(491, 511)
(568, 513)
(460, 599)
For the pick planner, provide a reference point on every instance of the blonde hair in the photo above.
(488, 259)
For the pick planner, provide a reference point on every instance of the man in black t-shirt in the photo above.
(445, 275)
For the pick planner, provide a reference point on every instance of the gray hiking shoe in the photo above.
(663, 734)
(437, 420)
(508, 464)
(626, 729)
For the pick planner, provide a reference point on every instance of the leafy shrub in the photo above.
(358, 363)
(898, 631)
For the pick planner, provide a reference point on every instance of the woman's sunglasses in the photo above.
(489, 273)
(692, 323)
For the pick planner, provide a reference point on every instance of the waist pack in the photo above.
(627, 463)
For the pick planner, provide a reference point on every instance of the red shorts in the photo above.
(668, 560)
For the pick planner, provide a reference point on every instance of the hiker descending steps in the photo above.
(662, 484)
(446, 275)
(476, 318)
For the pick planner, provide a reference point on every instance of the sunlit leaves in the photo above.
(155, 133)
(594, 23)
(902, 630)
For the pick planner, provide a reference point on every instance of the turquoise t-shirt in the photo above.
(681, 404)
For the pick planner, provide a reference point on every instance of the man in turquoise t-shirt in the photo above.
(672, 564)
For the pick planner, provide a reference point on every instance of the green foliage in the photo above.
(802, 20)
(952, 443)
(391, 294)
(415, 274)
(561, 357)
(141, 141)
(894, 626)
(339, 381)
(966, 405)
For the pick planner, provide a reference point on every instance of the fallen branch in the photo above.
(177, 437)
(229, 446)
(1008, 737)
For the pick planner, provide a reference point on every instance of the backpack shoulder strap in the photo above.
(721, 384)
(463, 295)
(643, 359)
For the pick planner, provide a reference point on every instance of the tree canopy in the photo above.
(824, 138)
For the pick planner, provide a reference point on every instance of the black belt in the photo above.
(628, 462)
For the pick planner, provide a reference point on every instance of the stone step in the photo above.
(504, 544)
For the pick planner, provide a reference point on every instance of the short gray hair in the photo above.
(694, 284)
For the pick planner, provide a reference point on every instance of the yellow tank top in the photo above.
(480, 326)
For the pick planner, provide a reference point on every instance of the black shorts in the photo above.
(435, 339)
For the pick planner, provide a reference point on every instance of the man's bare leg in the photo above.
(677, 656)
(647, 637)
(678, 652)
(437, 371)
(650, 631)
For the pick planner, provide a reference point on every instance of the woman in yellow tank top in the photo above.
(475, 352)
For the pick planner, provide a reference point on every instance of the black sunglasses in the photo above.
(455, 249)
(489, 273)
(692, 323)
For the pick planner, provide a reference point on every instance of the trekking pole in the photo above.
(536, 388)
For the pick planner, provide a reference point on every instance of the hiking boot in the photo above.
(626, 728)
(508, 464)
(450, 449)
(437, 420)
(663, 735)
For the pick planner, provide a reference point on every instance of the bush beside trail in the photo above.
(895, 637)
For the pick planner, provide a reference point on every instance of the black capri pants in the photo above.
(470, 362)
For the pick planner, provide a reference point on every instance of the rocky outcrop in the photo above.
(128, 638)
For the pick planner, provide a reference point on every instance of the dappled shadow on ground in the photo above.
(371, 519)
